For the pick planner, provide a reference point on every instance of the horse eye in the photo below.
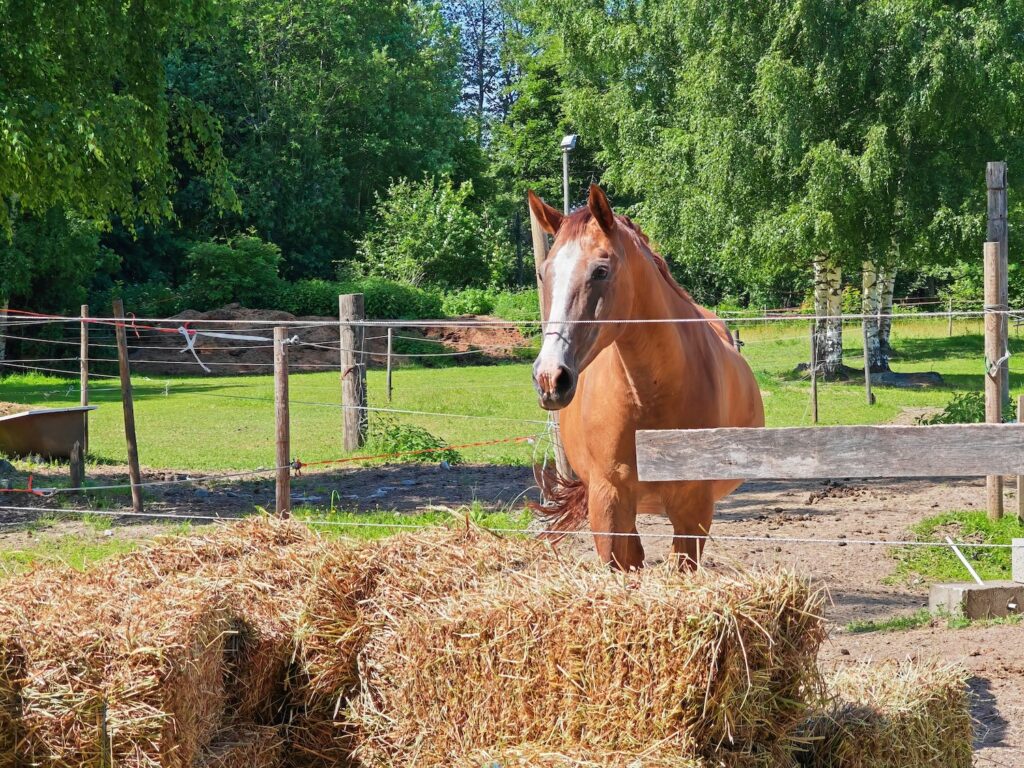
(599, 273)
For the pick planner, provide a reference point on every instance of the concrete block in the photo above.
(1018, 560)
(977, 601)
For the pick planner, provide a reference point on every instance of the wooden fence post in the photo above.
(354, 415)
(1020, 478)
(998, 231)
(540, 253)
(814, 373)
(282, 425)
(388, 377)
(129, 407)
(995, 345)
(950, 333)
(83, 375)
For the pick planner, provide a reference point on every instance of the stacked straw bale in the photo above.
(893, 715)
(362, 590)
(591, 662)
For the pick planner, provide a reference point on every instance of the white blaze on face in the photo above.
(557, 333)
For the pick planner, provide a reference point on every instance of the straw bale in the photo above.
(893, 715)
(593, 662)
(249, 746)
(118, 674)
(362, 588)
(12, 672)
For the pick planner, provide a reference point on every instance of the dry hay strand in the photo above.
(249, 746)
(894, 715)
(363, 588)
(536, 757)
(123, 677)
(592, 662)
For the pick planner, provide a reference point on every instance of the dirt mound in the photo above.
(166, 353)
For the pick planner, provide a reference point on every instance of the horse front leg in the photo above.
(690, 507)
(612, 511)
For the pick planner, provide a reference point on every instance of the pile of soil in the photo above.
(163, 353)
(7, 409)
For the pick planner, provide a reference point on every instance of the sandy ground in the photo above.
(854, 574)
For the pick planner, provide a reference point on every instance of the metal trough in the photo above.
(47, 432)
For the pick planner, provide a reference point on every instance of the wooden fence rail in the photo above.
(954, 450)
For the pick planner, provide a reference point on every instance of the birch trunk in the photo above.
(820, 265)
(833, 361)
(3, 330)
(870, 302)
(887, 283)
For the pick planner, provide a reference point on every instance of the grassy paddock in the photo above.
(226, 423)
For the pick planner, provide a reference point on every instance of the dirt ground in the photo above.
(854, 574)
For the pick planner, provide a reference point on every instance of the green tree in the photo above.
(766, 139)
(323, 102)
(428, 234)
(243, 269)
(87, 122)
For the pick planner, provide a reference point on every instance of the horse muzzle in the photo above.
(555, 384)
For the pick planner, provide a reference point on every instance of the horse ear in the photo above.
(598, 204)
(549, 218)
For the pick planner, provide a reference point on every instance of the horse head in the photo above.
(583, 278)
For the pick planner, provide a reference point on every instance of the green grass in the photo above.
(376, 525)
(923, 619)
(73, 550)
(893, 624)
(227, 423)
(938, 564)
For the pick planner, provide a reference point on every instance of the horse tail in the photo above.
(564, 506)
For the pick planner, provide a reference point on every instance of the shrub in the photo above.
(518, 307)
(385, 299)
(242, 269)
(428, 234)
(966, 408)
(388, 435)
(471, 301)
(149, 299)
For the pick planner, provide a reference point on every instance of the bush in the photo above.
(150, 299)
(385, 299)
(388, 435)
(966, 408)
(428, 235)
(242, 269)
(472, 301)
(517, 307)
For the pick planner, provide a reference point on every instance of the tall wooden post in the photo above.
(950, 311)
(1020, 478)
(282, 425)
(83, 375)
(354, 415)
(129, 407)
(540, 253)
(391, 333)
(814, 373)
(995, 344)
(998, 231)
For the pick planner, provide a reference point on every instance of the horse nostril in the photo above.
(565, 381)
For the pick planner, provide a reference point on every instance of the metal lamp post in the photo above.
(568, 145)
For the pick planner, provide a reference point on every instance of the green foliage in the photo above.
(149, 299)
(384, 299)
(242, 269)
(471, 301)
(86, 118)
(938, 564)
(388, 435)
(966, 408)
(519, 306)
(323, 102)
(894, 624)
(428, 234)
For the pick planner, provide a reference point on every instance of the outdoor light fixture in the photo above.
(568, 145)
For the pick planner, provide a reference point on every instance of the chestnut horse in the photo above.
(611, 379)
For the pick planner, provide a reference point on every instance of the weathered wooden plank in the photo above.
(954, 450)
